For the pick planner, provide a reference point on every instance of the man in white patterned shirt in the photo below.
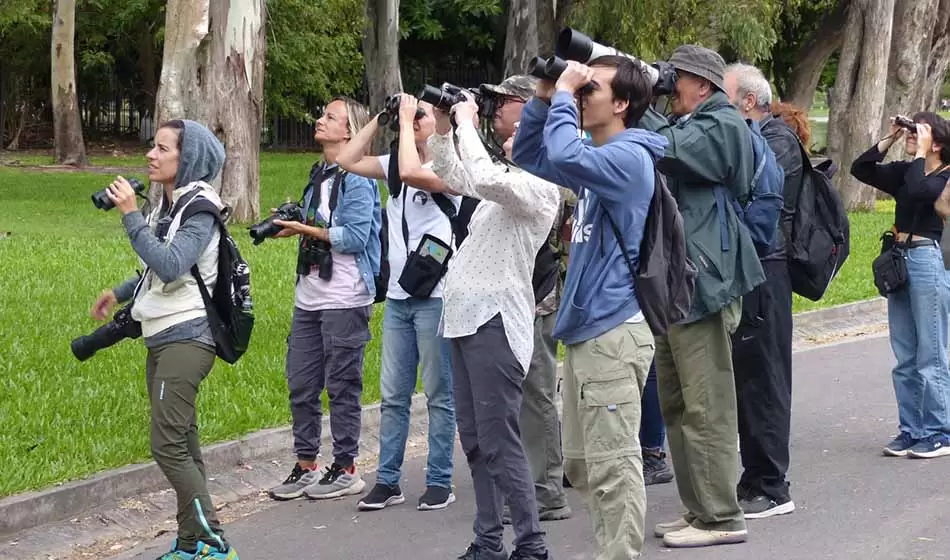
(488, 315)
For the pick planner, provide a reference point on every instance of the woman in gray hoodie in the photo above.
(168, 304)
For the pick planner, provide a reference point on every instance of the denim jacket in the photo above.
(355, 224)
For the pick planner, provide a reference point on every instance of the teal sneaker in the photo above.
(175, 554)
(209, 552)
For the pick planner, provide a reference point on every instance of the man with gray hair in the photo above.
(762, 345)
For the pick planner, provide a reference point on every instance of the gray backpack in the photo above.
(666, 279)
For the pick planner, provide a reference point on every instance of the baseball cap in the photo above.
(520, 86)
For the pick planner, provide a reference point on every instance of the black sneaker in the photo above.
(381, 496)
(519, 554)
(900, 445)
(655, 468)
(436, 497)
(760, 507)
(565, 482)
(475, 552)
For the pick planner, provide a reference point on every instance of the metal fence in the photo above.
(117, 112)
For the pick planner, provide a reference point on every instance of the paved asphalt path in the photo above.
(851, 501)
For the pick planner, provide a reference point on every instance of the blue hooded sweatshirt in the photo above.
(618, 178)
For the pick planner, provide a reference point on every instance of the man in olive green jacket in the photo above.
(709, 160)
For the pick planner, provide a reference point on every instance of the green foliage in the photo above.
(651, 29)
(313, 53)
(799, 20)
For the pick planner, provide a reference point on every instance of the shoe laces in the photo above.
(295, 474)
(333, 473)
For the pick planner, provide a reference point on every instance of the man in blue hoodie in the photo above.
(609, 344)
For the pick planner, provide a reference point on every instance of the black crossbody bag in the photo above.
(890, 267)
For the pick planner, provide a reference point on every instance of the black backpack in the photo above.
(230, 309)
(821, 234)
(666, 279)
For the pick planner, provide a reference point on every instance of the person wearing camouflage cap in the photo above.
(540, 425)
(709, 155)
(510, 97)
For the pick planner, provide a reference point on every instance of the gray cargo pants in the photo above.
(325, 349)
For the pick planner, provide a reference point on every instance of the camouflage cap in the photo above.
(520, 86)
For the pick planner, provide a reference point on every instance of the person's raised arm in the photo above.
(445, 159)
(609, 170)
(353, 158)
(520, 193)
(411, 170)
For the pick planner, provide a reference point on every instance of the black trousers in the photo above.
(762, 360)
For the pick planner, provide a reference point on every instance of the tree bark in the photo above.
(562, 11)
(939, 58)
(521, 38)
(381, 57)
(547, 27)
(213, 73)
(909, 57)
(858, 103)
(812, 57)
(67, 128)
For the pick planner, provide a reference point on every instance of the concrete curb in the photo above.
(66, 501)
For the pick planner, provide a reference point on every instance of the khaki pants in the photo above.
(603, 384)
(540, 426)
(173, 373)
(698, 400)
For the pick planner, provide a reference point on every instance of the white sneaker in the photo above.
(691, 537)
(670, 526)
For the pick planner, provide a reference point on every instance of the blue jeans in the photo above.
(652, 431)
(411, 342)
(918, 318)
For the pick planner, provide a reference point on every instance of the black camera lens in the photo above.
(437, 97)
(574, 45)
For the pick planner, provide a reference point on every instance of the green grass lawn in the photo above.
(62, 420)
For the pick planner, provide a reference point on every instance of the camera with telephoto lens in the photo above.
(906, 123)
(288, 212)
(390, 113)
(574, 45)
(101, 198)
(121, 327)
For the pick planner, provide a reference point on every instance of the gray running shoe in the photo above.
(293, 487)
(337, 481)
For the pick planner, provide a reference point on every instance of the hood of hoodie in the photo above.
(654, 143)
(201, 156)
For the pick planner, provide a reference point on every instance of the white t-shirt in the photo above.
(422, 216)
(345, 289)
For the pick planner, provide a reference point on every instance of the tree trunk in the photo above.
(15, 141)
(381, 57)
(812, 57)
(858, 103)
(547, 27)
(521, 38)
(939, 58)
(909, 57)
(562, 11)
(213, 72)
(67, 128)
